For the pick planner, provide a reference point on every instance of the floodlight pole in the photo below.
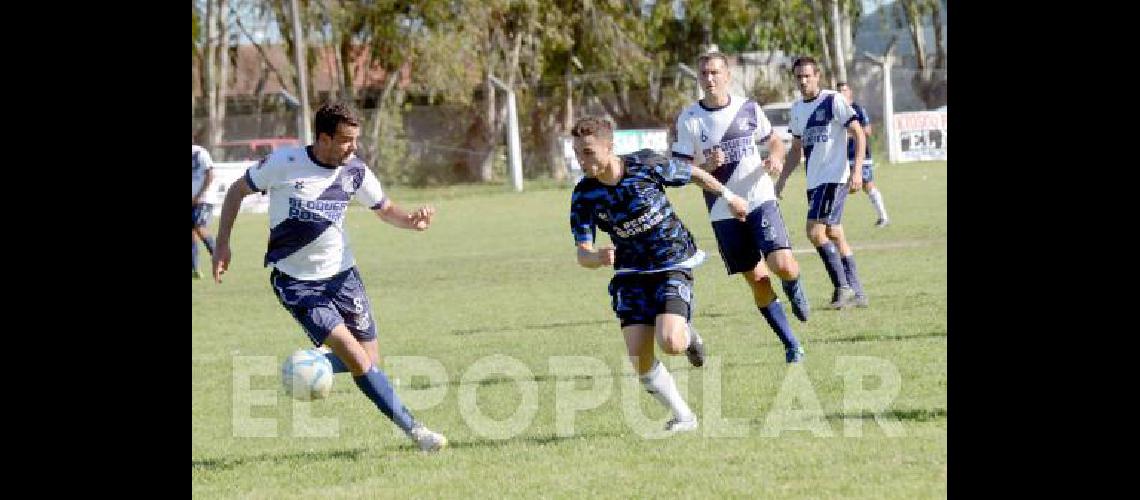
(885, 61)
(513, 148)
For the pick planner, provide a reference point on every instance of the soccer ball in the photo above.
(307, 375)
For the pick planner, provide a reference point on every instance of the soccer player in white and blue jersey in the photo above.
(314, 272)
(652, 287)
(869, 187)
(719, 133)
(201, 173)
(820, 124)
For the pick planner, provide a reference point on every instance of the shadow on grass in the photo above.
(215, 464)
(529, 440)
(911, 414)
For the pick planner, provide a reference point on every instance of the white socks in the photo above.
(660, 384)
(877, 201)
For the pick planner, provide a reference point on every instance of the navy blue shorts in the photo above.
(202, 214)
(637, 298)
(321, 305)
(744, 244)
(868, 171)
(825, 202)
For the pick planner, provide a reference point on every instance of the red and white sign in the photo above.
(920, 135)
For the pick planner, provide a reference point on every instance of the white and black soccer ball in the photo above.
(307, 375)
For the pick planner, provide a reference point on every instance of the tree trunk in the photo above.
(209, 75)
(837, 36)
(821, 28)
(223, 72)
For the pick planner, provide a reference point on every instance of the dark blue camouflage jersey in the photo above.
(644, 228)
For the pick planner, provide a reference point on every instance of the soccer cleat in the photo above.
(842, 297)
(861, 300)
(800, 305)
(197, 275)
(677, 425)
(696, 349)
(882, 222)
(427, 439)
(794, 354)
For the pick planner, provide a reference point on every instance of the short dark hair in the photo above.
(593, 125)
(803, 61)
(708, 56)
(331, 115)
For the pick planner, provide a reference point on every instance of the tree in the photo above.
(930, 79)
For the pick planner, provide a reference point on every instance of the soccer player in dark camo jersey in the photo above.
(652, 256)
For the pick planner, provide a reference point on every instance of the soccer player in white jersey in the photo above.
(873, 192)
(201, 173)
(718, 133)
(314, 273)
(820, 124)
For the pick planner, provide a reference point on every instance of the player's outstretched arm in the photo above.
(709, 183)
(590, 258)
(221, 261)
(790, 165)
(419, 220)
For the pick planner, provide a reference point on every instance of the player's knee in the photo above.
(834, 232)
(786, 268)
(675, 340)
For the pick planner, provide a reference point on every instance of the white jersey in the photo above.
(736, 128)
(200, 164)
(821, 125)
(307, 201)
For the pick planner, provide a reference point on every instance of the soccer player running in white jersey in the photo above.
(873, 192)
(718, 133)
(652, 287)
(314, 273)
(820, 124)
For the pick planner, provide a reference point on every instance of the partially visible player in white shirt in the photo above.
(201, 173)
(314, 273)
(719, 134)
(819, 125)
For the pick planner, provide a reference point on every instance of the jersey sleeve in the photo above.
(795, 124)
(205, 163)
(370, 194)
(582, 225)
(842, 110)
(265, 173)
(673, 172)
(686, 145)
(763, 126)
(864, 117)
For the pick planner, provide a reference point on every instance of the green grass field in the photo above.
(496, 275)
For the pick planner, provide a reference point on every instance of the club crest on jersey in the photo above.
(299, 185)
(742, 123)
(346, 183)
(820, 114)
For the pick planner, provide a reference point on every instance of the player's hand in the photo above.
(774, 165)
(221, 260)
(739, 207)
(421, 218)
(715, 159)
(856, 184)
(605, 255)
